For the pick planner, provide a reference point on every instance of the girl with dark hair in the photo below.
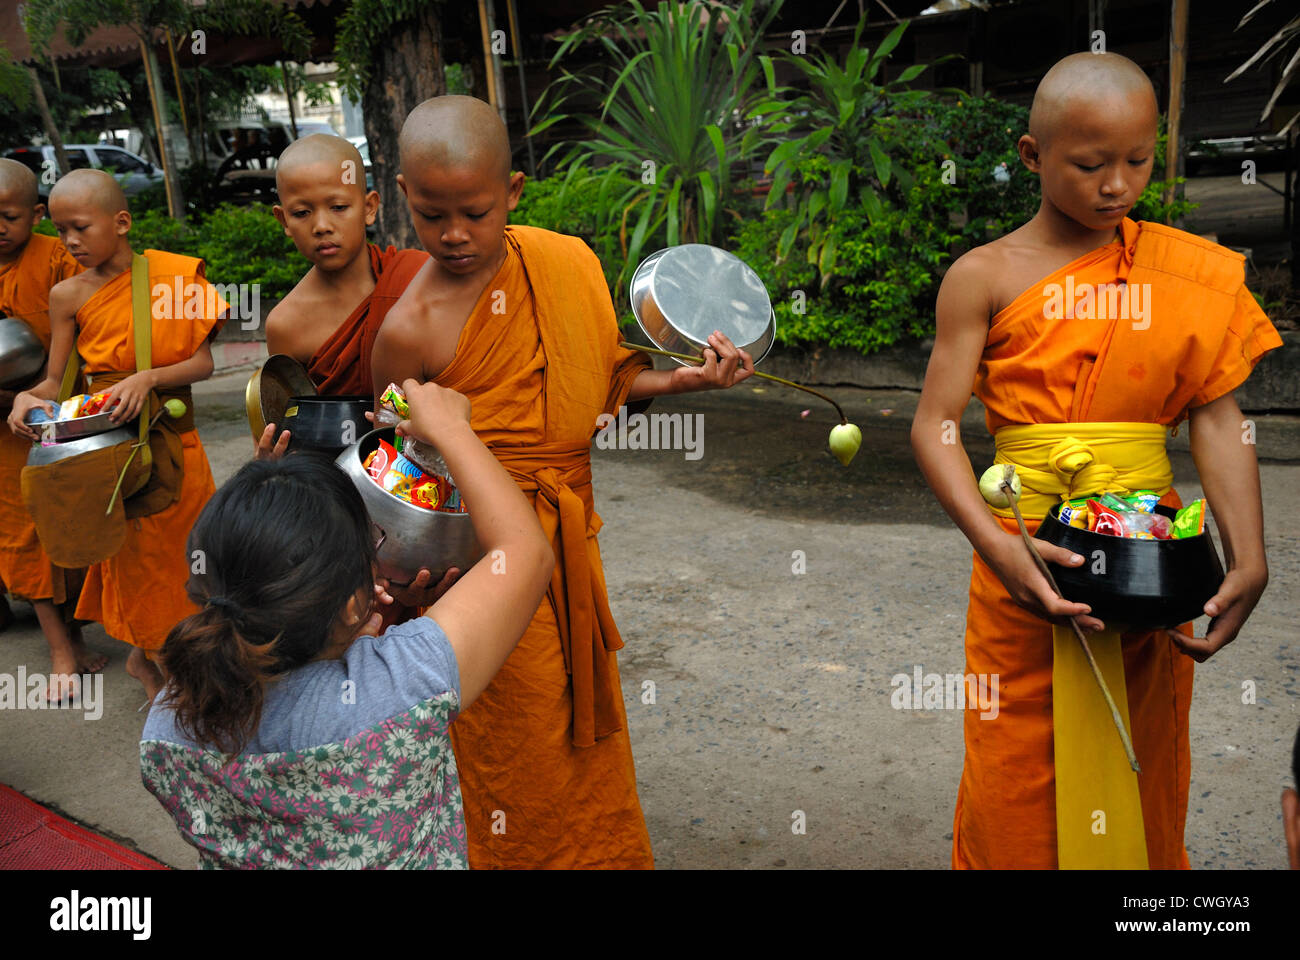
(289, 734)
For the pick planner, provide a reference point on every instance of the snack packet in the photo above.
(1074, 513)
(1151, 526)
(402, 478)
(1105, 520)
(1190, 521)
(1144, 500)
(83, 405)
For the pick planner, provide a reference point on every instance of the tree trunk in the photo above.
(406, 70)
(47, 118)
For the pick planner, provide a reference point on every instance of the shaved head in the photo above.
(19, 183)
(453, 133)
(321, 148)
(1084, 79)
(90, 187)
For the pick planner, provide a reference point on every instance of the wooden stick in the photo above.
(1078, 631)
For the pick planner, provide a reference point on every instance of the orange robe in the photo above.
(25, 293)
(139, 593)
(545, 761)
(1206, 333)
(341, 367)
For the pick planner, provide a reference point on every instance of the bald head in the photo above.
(90, 187)
(1081, 80)
(453, 133)
(18, 183)
(321, 149)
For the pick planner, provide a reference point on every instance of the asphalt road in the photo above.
(772, 686)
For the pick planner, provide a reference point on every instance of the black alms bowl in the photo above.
(1136, 584)
(326, 425)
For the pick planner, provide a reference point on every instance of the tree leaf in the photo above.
(880, 160)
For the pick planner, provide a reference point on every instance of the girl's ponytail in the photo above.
(217, 675)
(279, 550)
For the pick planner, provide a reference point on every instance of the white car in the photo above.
(132, 171)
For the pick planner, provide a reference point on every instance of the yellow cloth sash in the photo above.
(1098, 804)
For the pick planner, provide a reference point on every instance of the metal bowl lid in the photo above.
(270, 391)
(700, 288)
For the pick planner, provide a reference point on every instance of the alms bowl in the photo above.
(42, 454)
(326, 425)
(22, 356)
(1136, 584)
(681, 294)
(414, 537)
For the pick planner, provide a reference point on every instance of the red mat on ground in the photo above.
(33, 838)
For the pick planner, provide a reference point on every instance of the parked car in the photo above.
(363, 148)
(134, 172)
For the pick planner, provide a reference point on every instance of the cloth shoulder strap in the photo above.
(141, 330)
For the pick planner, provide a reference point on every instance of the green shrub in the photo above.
(247, 245)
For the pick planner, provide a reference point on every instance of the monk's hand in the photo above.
(725, 365)
(1227, 610)
(23, 405)
(127, 398)
(1030, 589)
(268, 447)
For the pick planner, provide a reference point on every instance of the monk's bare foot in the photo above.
(88, 661)
(140, 667)
(63, 682)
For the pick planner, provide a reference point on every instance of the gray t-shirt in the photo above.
(351, 765)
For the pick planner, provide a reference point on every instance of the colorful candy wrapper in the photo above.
(1144, 500)
(83, 405)
(1151, 526)
(395, 398)
(1190, 521)
(1075, 513)
(406, 481)
(1106, 521)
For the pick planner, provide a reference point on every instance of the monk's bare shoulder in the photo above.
(289, 319)
(70, 295)
(967, 287)
(403, 337)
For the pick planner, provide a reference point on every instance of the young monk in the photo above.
(30, 264)
(329, 320)
(1080, 400)
(139, 593)
(520, 321)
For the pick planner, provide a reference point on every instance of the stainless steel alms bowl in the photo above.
(682, 294)
(40, 454)
(413, 536)
(22, 356)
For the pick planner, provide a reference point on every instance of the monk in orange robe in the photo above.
(520, 321)
(324, 208)
(30, 264)
(139, 593)
(1082, 317)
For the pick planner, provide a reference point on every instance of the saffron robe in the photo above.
(25, 294)
(1201, 336)
(544, 755)
(341, 367)
(139, 593)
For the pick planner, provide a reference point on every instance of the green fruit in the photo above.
(846, 438)
(175, 408)
(991, 484)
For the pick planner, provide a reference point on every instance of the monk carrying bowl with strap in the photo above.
(82, 493)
